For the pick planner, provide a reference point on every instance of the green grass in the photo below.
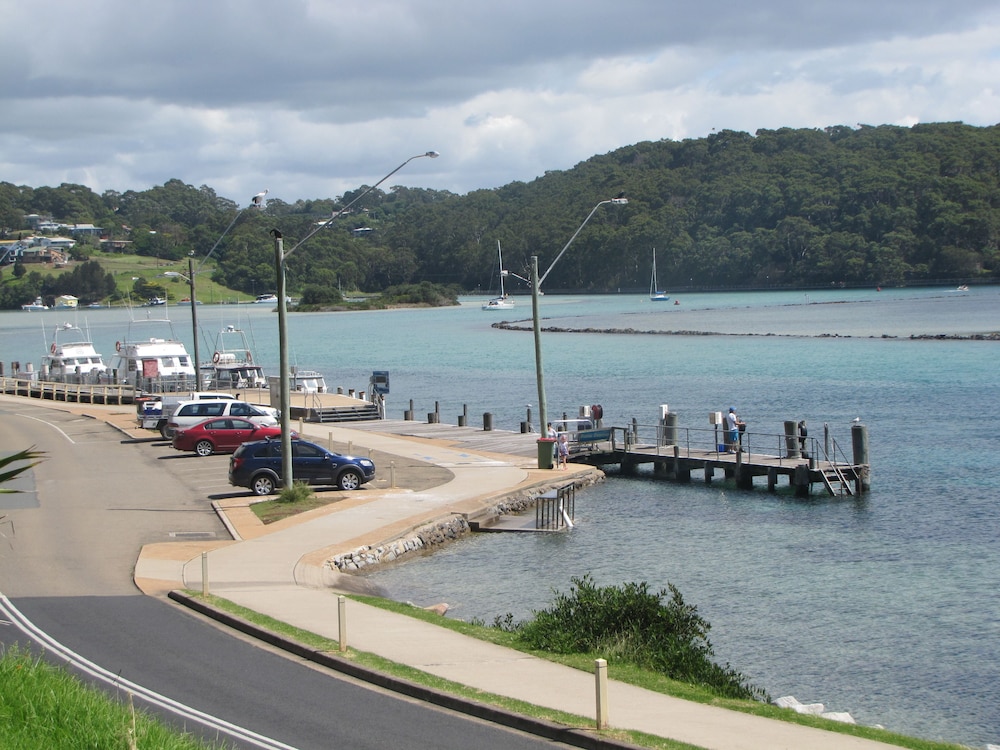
(585, 662)
(43, 707)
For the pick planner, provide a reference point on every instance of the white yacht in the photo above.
(38, 304)
(152, 359)
(232, 364)
(72, 358)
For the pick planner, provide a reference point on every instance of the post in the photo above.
(194, 324)
(342, 622)
(859, 444)
(204, 573)
(285, 402)
(536, 328)
(601, 685)
(792, 438)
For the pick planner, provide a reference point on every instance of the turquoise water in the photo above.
(885, 606)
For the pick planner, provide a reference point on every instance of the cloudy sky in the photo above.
(310, 98)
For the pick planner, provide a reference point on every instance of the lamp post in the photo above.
(280, 256)
(256, 202)
(194, 316)
(536, 284)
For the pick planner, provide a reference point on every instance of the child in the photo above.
(563, 452)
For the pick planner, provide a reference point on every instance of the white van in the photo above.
(190, 413)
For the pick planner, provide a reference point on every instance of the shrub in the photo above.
(298, 492)
(630, 624)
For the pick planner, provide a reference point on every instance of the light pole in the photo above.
(194, 316)
(536, 284)
(280, 256)
(256, 202)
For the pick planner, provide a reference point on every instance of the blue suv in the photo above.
(257, 466)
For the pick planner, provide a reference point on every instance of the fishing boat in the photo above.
(232, 364)
(38, 304)
(72, 358)
(656, 294)
(154, 363)
(503, 302)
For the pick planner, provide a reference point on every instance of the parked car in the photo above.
(257, 466)
(189, 413)
(222, 435)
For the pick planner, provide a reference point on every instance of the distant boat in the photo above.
(155, 302)
(655, 294)
(963, 288)
(38, 304)
(503, 302)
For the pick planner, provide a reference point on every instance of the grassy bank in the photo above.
(43, 707)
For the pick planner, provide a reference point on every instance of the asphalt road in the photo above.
(67, 549)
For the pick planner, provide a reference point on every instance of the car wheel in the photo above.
(262, 484)
(349, 480)
(204, 448)
(165, 432)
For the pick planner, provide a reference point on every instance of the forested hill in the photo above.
(790, 207)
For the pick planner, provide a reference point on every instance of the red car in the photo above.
(222, 435)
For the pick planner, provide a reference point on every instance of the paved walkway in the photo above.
(279, 571)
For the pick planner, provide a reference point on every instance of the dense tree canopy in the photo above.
(788, 207)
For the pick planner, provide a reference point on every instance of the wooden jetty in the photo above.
(678, 453)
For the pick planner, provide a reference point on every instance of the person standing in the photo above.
(551, 434)
(563, 452)
(733, 425)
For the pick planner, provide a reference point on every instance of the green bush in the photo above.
(629, 624)
(298, 492)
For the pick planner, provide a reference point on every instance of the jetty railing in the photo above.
(659, 439)
(86, 393)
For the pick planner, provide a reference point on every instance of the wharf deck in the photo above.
(678, 463)
(675, 462)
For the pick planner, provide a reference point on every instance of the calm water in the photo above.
(887, 606)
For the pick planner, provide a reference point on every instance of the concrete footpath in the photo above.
(279, 571)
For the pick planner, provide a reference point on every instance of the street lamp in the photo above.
(280, 256)
(257, 202)
(536, 284)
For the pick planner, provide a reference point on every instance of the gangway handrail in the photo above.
(706, 440)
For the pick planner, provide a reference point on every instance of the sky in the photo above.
(312, 98)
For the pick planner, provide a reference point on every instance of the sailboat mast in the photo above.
(500, 260)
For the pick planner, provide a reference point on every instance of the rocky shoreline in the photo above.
(517, 326)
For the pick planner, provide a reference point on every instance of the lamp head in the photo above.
(432, 154)
(620, 199)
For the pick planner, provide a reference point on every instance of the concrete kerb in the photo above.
(573, 736)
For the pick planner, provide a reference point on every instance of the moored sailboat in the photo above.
(655, 293)
(503, 302)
